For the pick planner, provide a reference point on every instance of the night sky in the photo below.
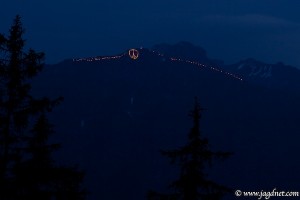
(118, 112)
(229, 30)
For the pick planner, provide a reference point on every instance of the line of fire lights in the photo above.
(98, 58)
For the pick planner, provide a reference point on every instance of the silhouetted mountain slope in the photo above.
(273, 76)
(187, 51)
(278, 76)
(118, 112)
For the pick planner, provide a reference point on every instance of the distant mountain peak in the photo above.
(180, 48)
(252, 67)
(148, 55)
(278, 76)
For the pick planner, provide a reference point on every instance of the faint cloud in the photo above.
(250, 20)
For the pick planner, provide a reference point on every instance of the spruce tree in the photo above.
(38, 177)
(16, 69)
(193, 159)
(27, 170)
(34, 174)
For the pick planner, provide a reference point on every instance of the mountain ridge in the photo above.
(118, 113)
(276, 76)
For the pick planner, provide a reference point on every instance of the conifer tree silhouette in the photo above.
(193, 159)
(39, 177)
(16, 68)
(26, 168)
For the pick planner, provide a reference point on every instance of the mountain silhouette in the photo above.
(118, 112)
(273, 76)
(187, 51)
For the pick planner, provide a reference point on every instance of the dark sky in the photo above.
(231, 30)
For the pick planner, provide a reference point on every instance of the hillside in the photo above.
(119, 112)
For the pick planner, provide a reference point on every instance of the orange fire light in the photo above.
(133, 54)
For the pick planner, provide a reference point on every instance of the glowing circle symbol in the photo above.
(133, 54)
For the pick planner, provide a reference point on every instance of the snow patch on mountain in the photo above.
(261, 71)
